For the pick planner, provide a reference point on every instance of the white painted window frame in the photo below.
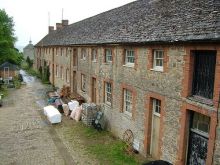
(156, 106)
(156, 54)
(129, 54)
(108, 55)
(128, 99)
(108, 93)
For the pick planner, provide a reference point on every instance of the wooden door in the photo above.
(204, 73)
(155, 136)
(198, 139)
(94, 90)
(74, 82)
(6, 72)
(155, 130)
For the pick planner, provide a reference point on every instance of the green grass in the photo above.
(103, 145)
(4, 91)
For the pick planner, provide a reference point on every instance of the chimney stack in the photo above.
(51, 29)
(59, 26)
(65, 23)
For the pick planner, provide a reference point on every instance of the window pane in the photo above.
(129, 56)
(108, 54)
(201, 122)
(158, 58)
(127, 100)
(108, 93)
(156, 106)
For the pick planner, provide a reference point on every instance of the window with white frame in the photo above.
(61, 72)
(83, 53)
(156, 107)
(83, 82)
(94, 55)
(108, 93)
(127, 101)
(67, 76)
(158, 58)
(129, 57)
(108, 55)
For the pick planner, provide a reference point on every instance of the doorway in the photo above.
(155, 130)
(198, 139)
(74, 86)
(204, 73)
(94, 90)
(6, 72)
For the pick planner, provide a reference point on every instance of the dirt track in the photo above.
(26, 137)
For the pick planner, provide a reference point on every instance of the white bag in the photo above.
(53, 115)
(73, 105)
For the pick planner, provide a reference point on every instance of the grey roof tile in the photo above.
(144, 21)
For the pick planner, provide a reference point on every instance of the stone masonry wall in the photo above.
(143, 81)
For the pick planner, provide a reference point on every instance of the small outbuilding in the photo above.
(8, 70)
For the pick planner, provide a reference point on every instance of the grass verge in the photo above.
(106, 148)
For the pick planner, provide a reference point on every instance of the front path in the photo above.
(26, 137)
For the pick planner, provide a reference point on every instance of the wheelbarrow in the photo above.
(98, 121)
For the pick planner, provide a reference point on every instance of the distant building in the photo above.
(29, 51)
(8, 70)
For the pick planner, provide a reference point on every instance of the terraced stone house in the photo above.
(154, 68)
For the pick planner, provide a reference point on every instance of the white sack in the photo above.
(73, 105)
(53, 115)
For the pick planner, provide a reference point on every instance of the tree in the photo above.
(7, 40)
(29, 62)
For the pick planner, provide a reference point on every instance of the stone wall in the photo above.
(145, 83)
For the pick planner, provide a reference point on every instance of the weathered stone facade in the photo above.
(144, 83)
(127, 92)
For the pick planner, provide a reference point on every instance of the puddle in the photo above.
(41, 103)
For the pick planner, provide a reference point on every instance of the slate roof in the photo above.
(144, 21)
(8, 64)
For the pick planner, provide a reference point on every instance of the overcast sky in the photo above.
(31, 16)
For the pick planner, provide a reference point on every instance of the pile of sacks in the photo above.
(73, 109)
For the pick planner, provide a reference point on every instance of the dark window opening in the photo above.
(204, 73)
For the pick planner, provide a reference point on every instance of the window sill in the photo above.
(156, 114)
(156, 70)
(107, 63)
(94, 61)
(201, 100)
(129, 114)
(129, 65)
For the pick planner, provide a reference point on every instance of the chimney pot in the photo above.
(58, 26)
(51, 28)
(65, 22)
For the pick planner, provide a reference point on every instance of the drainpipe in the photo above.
(216, 127)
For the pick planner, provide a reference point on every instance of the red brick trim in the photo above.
(184, 129)
(148, 121)
(189, 68)
(150, 57)
(134, 96)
